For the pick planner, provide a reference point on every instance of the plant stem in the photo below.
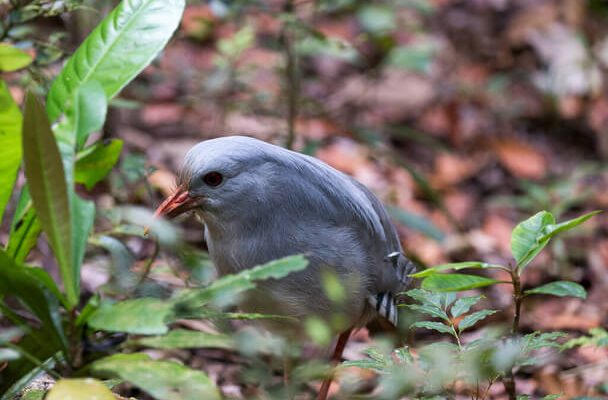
(509, 380)
(291, 75)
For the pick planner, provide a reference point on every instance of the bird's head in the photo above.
(221, 178)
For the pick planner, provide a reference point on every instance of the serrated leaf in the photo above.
(474, 318)
(425, 297)
(437, 326)
(184, 339)
(96, 162)
(10, 145)
(145, 316)
(463, 305)
(404, 355)
(123, 43)
(12, 58)
(429, 310)
(451, 266)
(160, 379)
(48, 189)
(455, 282)
(561, 289)
(79, 389)
(526, 238)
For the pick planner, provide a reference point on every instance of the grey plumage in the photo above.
(274, 202)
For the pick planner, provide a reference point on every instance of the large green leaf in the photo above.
(31, 289)
(147, 316)
(10, 145)
(184, 339)
(89, 111)
(451, 266)
(79, 389)
(25, 228)
(455, 282)
(12, 58)
(116, 50)
(560, 288)
(526, 238)
(48, 189)
(96, 162)
(161, 379)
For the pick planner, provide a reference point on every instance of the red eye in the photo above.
(213, 178)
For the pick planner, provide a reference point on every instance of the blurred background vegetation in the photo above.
(463, 116)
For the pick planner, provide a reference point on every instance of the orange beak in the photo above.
(178, 203)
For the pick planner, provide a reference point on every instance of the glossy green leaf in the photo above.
(463, 305)
(10, 145)
(526, 238)
(455, 282)
(96, 162)
(184, 339)
(451, 266)
(416, 222)
(46, 178)
(89, 111)
(561, 289)
(83, 216)
(554, 229)
(474, 318)
(12, 58)
(123, 43)
(31, 290)
(25, 228)
(161, 379)
(79, 389)
(146, 316)
(436, 326)
(532, 235)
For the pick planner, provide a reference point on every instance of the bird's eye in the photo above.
(213, 178)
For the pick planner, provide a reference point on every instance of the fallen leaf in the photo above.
(520, 158)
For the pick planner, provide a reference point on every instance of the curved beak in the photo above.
(178, 203)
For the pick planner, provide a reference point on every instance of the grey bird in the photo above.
(260, 202)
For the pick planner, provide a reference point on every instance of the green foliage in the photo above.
(94, 163)
(12, 58)
(184, 339)
(116, 51)
(82, 389)
(560, 288)
(597, 337)
(46, 178)
(532, 235)
(455, 282)
(160, 379)
(10, 144)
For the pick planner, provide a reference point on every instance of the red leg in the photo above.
(335, 359)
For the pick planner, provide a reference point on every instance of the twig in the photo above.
(148, 266)
(291, 75)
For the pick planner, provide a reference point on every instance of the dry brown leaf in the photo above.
(520, 158)
(451, 169)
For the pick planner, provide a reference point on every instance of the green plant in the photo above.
(495, 356)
